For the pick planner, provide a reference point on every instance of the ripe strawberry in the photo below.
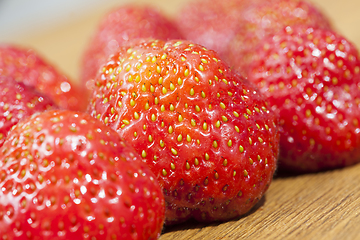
(312, 78)
(25, 65)
(117, 28)
(18, 101)
(233, 28)
(205, 133)
(64, 175)
(263, 17)
(212, 23)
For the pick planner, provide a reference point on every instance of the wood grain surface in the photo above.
(324, 205)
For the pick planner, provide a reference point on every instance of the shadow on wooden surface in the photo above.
(193, 224)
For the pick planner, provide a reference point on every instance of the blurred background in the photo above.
(60, 29)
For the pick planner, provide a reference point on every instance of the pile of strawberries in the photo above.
(173, 119)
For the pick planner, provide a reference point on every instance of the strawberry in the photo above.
(207, 135)
(120, 25)
(18, 101)
(234, 27)
(64, 175)
(212, 23)
(311, 77)
(263, 17)
(27, 66)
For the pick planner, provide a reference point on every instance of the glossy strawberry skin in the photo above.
(312, 77)
(206, 134)
(119, 26)
(262, 18)
(18, 101)
(64, 175)
(27, 66)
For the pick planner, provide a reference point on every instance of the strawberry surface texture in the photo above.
(233, 28)
(119, 26)
(311, 77)
(27, 66)
(18, 101)
(64, 175)
(208, 135)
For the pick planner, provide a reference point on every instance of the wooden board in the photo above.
(311, 206)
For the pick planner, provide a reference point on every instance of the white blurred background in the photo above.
(60, 29)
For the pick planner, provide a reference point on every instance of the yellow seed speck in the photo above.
(225, 162)
(153, 117)
(171, 129)
(147, 106)
(203, 95)
(174, 152)
(245, 173)
(186, 72)
(180, 118)
(229, 143)
(196, 162)
(153, 59)
(128, 67)
(215, 144)
(193, 122)
(179, 138)
(180, 81)
(187, 165)
(188, 138)
(143, 154)
(236, 114)
(207, 156)
(192, 92)
(217, 124)
(164, 173)
(205, 126)
(152, 88)
(172, 166)
(164, 90)
(172, 108)
(241, 149)
(150, 138)
(197, 108)
(201, 67)
(222, 105)
(162, 144)
(172, 87)
(132, 102)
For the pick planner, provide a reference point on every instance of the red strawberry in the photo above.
(25, 65)
(234, 27)
(205, 133)
(117, 28)
(64, 175)
(312, 78)
(263, 17)
(212, 23)
(18, 101)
